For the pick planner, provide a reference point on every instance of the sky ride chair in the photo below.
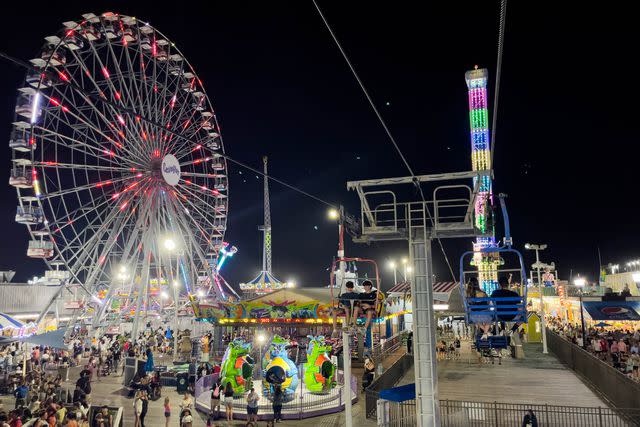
(496, 311)
(340, 305)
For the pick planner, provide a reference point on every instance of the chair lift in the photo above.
(496, 309)
(340, 277)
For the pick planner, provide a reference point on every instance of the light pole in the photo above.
(537, 265)
(171, 247)
(338, 215)
(392, 265)
(580, 283)
(405, 266)
(261, 339)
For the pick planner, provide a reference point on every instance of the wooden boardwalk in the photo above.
(539, 379)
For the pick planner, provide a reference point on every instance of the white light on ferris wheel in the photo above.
(169, 244)
(34, 111)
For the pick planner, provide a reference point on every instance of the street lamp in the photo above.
(537, 265)
(261, 339)
(407, 268)
(392, 266)
(333, 214)
(580, 282)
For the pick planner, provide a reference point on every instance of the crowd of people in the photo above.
(619, 347)
(36, 380)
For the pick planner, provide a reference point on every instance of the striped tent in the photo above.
(438, 287)
(264, 282)
(8, 322)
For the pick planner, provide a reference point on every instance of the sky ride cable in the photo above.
(503, 18)
(388, 132)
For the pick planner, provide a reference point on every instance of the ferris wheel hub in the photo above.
(171, 169)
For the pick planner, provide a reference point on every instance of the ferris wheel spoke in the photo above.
(80, 167)
(200, 210)
(84, 120)
(199, 189)
(142, 129)
(116, 117)
(112, 225)
(74, 215)
(90, 186)
(75, 148)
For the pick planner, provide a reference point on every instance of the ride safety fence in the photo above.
(304, 404)
(455, 413)
(621, 391)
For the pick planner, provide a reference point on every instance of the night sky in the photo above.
(567, 141)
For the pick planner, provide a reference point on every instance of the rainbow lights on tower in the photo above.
(486, 262)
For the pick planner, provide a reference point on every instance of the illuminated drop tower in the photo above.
(486, 262)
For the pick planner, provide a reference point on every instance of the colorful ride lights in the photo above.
(226, 252)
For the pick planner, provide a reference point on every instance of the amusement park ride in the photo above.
(455, 210)
(119, 170)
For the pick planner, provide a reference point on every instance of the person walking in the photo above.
(228, 401)
(277, 403)
(216, 391)
(252, 406)
(145, 407)
(529, 419)
(185, 405)
(167, 412)
(137, 407)
(187, 419)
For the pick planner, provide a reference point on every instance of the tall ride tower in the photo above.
(265, 281)
(266, 228)
(486, 262)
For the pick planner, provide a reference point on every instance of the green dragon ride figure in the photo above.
(319, 371)
(237, 366)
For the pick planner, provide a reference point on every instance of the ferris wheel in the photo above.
(117, 160)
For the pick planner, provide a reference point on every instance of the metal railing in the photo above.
(623, 392)
(454, 413)
(389, 346)
(388, 379)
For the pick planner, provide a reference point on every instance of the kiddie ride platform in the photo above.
(304, 404)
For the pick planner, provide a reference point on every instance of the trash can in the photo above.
(182, 382)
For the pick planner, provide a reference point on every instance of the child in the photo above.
(187, 419)
(167, 411)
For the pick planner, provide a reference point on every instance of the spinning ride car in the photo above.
(237, 366)
(279, 369)
(319, 370)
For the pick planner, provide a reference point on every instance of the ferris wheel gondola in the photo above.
(110, 157)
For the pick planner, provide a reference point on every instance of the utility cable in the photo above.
(503, 19)
(386, 128)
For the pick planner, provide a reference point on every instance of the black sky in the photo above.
(567, 140)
